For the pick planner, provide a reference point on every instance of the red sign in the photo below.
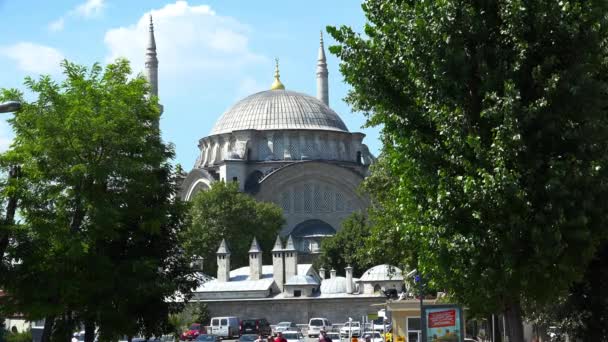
(440, 319)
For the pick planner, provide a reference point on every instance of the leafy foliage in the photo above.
(222, 212)
(494, 124)
(99, 240)
(347, 247)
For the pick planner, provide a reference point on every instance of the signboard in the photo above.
(442, 323)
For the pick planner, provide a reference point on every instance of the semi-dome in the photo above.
(279, 109)
(333, 285)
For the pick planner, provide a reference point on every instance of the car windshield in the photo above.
(248, 338)
(316, 322)
(206, 338)
(379, 320)
(249, 323)
(195, 326)
(284, 324)
(291, 336)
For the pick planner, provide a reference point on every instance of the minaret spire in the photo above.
(322, 87)
(152, 62)
(277, 85)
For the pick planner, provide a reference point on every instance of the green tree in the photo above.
(99, 242)
(348, 247)
(222, 212)
(493, 118)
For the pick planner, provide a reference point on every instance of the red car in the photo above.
(192, 333)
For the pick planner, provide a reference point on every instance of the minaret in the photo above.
(278, 264)
(223, 262)
(291, 259)
(152, 62)
(255, 261)
(322, 88)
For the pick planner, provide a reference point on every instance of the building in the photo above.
(295, 291)
(284, 147)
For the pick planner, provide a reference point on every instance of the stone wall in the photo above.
(298, 310)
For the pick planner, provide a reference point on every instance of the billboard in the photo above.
(442, 323)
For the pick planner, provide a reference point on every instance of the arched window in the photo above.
(377, 288)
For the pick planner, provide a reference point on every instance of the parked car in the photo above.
(248, 338)
(374, 335)
(227, 326)
(284, 326)
(193, 331)
(351, 329)
(380, 324)
(335, 336)
(208, 338)
(259, 326)
(293, 336)
(315, 325)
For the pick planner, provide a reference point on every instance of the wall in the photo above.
(298, 310)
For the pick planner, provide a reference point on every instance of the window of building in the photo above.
(413, 329)
(297, 293)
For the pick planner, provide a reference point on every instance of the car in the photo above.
(193, 331)
(293, 336)
(258, 326)
(380, 324)
(351, 329)
(374, 336)
(248, 338)
(315, 325)
(225, 327)
(284, 326)
(208, 338)
(335, 336)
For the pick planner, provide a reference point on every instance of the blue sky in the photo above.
(211, 53)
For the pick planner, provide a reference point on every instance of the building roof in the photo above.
(333, 285)
(290, 245)
(255, 246)
(301, 279)
(382, 273)
(277, 110)
(223, 249)
(278, 245)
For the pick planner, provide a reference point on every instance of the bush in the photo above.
(25, 336)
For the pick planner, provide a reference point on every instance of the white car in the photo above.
(293, 336)
(285, 326)
(374, 336)
(315, 325)
(351, 329)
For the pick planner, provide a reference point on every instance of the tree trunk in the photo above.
(48, 329)
(89, 330)
(514, 320)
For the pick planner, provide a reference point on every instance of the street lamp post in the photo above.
(10, 106)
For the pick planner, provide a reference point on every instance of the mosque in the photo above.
(284, 147)
(291, 149)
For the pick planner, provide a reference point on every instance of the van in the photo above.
(315, 325)
(225, 326)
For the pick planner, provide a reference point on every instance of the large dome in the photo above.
(279, 109)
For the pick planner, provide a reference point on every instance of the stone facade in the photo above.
(299, 310)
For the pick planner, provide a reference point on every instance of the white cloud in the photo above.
(90, 8)
(34, 58)
(57, 25)
(188, 38)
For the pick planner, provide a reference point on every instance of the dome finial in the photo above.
(277, 82)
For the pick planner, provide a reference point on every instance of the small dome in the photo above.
(333, 285)
(383, 273)
(301, 280)
(276, 110)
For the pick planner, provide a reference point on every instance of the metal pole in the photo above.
(493, 328)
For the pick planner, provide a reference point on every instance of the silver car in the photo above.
(284, 326)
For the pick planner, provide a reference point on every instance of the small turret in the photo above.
(278, 263)
(291, 259)
(223, 262)
(255, 260)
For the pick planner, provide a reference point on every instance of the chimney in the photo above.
(223, 262)
(349, 279)
(291, 259)
(332, 274)
(255, 260)
(278, 264)
(322, 273)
